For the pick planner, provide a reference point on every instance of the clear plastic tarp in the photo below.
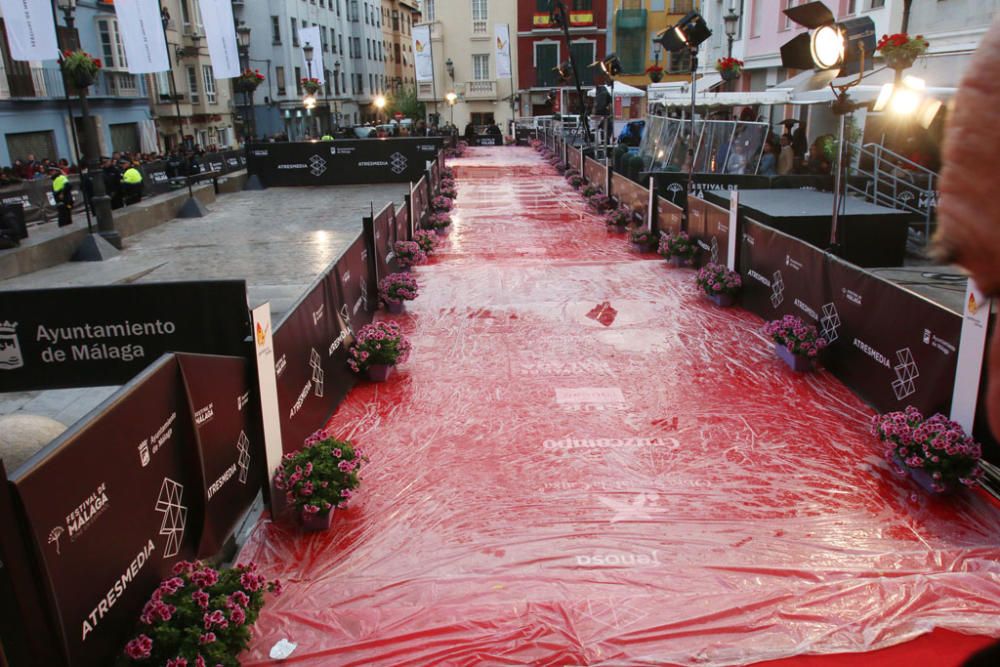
(720, 147)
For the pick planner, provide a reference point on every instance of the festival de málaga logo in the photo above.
(10, 348)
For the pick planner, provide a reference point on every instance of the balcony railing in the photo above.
(479, 28)
(47, 83)
(481, 90)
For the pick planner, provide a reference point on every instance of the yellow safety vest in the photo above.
(327, 137)
(132, 176)
(59, 183)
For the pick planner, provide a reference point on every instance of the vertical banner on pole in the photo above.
(141, 30)
(422, 61)
(971, 354)
(220, 32)
(311, 36)
(263, 342)
(502, 32)
(31, 32)
(734, 217)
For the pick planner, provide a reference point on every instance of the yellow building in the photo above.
(635, 24)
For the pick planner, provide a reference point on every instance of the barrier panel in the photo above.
(891, 346)
(403, 221)
(628, 192)
(435, 176)
(575, 158)
(346, 162)
(595, 172)
(420, 203)
(93, 336)
(670, 217)
(183, 472)
(708, 225)
(384, 228)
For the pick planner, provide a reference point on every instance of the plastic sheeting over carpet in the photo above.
(585, 462)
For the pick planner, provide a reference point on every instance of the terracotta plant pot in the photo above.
(797, 362)
(315, 523)
(379, 372)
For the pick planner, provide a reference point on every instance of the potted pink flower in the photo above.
(426, 240)
(936, 452)
(600, 202)
(678, 249)
(589, 190)
(379, 346)
(440, 203)
(396, 289)
(200, 616)
(719, 283)
(796, 343)
(448, 174)
(447, 188)
(619, 218)
(319, 478)
(439, 221)
(408, 254)
(643, 240)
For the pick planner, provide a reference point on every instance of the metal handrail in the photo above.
(885, 185)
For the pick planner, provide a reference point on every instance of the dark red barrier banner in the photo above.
(891, 346)
(670, 216)
(595, 172)
(356, 285)
(629, 192)
(224, 403)
(403, 222)
(709, 226)
(575, 158)
(112, 505)
(384, 226)
(421, 203)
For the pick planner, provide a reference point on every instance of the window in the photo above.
(543, 6)
(482, 118)
(681, 6)
(276, 30)
(193, 85)
(429, 7)
(481, 67)
(163, 85)
(353, 13)
(338, 7)
(298, 81)
(295, 33)
(322, 38)
(786, 22)
(112, 50)
(582, 5)
(279, 77)
(479, 17)
(223, 133)
(877, 4)
(679, 62)
(396, 49)
(357, 47)
(209, 78)
(368, 43)
(546, 60)
(371, 83)
(583, 54)
(40, 144)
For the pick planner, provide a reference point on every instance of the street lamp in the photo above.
(380, 105)
(452, 98)
(101, 203)
(450, 68)
(309, 101)
(336, 91)
(732, 20)
(243, 42)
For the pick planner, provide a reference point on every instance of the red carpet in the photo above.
(584, 462)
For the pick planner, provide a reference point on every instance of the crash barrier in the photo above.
(166, 468)
(38, 203)
(343, 162)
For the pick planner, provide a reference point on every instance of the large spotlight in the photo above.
(689, 32)
(908, 98)
(564, 70)
(841, 48)
(611, 65)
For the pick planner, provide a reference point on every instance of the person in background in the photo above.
(62, 192)
(494, 130)
(786, 156)
(470, 132)
(800, 145)
(816, 162)
(131, 184)
(769, 159)
(112, 181)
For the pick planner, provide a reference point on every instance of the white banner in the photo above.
(267, 383)
(423, 61)
(220, 33)
(31, 32)
(311, 36)
(502, 32)
(141, 29)
(734, 223)
(971, 355)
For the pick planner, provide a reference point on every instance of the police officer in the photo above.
(131, 183)
(326, 137)
(62, 192)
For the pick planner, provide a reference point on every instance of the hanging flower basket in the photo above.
(900, 50)
(655, 73)
(311, 86)
(729, 68)
(80, 68)
(248, 81)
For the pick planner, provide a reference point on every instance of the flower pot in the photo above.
(721, 300)
(379, 372)
(898, 61)
(640, 247)
(81, 79)
(442, 231)
(404, 268)
(924, 480)
(678, 262)
(730, 74)
(617, 229)
(318, 522)
(656, 77)
(797, 362)
(395, 308)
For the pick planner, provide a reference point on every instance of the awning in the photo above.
(814, 87)
(621, 90)
(735, 99)
(705, 84)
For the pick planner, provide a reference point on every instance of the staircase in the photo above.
(893, 181)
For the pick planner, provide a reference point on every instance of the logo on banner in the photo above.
(362, 301)
(852, 296)
(906, 374)
(397, 163)
(317, 165)
(81, 518)
(715, 250)
(174, 516)
(10, 347)
(54, 536)
(777, 290)
(973, 306)
(318, 313)
(674, 189)
(243, 461)
(318, 375)
(792, 263)
(261, 335)
(830, 323)
(144, 452)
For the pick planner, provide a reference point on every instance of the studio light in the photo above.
(611, 65)
(688, 33)
(564, 70)
(309, 102)
(908, 98)
(841, 48)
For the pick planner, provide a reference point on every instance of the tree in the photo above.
(406, 103)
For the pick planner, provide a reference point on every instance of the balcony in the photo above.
(425, 91)
(479, 30)
(46, 83)
(481, 90)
